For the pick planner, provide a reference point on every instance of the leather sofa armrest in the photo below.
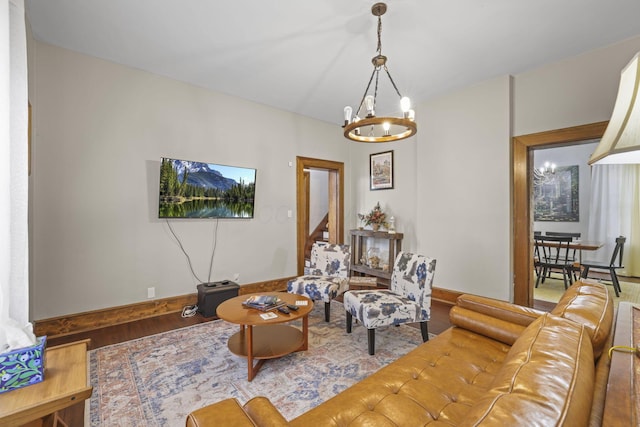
(263, 413)
(492, 318)
(256, 412)
(498, 309)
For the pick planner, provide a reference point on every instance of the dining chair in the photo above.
(615, 263)
(554, 256)
(408, 299)
(574, 236)
(327, 275)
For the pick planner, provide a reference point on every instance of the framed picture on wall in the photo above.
(556, 195)
(381, 170)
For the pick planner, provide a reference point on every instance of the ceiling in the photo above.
(313, 58)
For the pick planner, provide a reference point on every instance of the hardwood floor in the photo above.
(141, 328)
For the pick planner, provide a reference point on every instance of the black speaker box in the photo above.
(211, 295)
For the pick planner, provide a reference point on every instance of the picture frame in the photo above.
(381, 171)
(556, 195)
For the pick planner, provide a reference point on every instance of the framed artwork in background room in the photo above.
(381, 170)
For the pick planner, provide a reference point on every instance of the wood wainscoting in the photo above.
(71, 324)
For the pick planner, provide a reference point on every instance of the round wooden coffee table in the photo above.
(262, 339)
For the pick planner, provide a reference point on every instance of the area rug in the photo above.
(158, 380)
(553, 288)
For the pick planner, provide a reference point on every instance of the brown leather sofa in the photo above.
(499, 365)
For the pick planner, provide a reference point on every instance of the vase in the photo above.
(376, 227)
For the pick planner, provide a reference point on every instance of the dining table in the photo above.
(578, 245)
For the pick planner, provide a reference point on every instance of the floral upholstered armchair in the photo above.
(408, 299)
(327, 275)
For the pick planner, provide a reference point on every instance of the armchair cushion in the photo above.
(413, 277)
(381, 308)
(318, 288)
(329, 260)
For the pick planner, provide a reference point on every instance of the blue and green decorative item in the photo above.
(23, 366)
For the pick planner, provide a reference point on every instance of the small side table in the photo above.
(65, 384)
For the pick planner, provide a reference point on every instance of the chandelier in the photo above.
(372, 128)
(548, 168)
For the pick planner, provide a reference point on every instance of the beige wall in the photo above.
(100, 130)
(572, 92)
(463, 187)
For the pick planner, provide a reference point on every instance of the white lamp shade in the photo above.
(621, 140)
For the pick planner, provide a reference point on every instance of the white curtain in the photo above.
(14, 279)
(630, 216)
(615, 211)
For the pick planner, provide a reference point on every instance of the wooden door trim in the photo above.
(336, 201)
(522, 190)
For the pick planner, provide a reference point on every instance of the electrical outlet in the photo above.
(236, 277)
(151, 292)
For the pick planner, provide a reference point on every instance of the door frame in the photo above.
(336, 203)
(522, 168)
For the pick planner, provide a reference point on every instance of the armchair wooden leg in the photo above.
(425, 331)
(349, 322)
(327, 311)
(371, 339)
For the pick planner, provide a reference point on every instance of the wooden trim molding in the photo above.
(522, 147)
(96, 319)
(336, 203)
(445, 295)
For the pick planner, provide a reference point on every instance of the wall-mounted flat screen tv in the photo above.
(205, 190)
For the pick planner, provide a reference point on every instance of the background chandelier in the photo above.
(372, 128)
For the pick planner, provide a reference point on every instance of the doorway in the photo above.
(335, 196)
(523, 147)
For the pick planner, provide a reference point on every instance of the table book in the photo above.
(263, 302)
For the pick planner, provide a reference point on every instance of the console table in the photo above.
(65, 384)
(358, 250)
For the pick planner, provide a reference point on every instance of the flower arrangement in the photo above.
(375, 218)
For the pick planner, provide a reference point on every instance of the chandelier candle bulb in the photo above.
(405, 104)
(369, 104)
(347, 115)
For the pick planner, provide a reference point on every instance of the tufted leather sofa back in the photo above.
(547, 378)
(588, 303)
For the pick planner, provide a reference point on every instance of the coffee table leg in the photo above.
(305, 333)
(251, 370)
(250, 374)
